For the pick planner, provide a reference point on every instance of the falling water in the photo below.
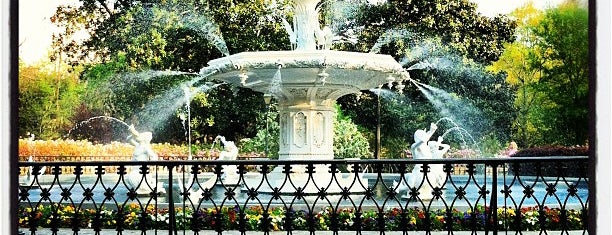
(461, 132)
(386, 94)
(339, 16)
(187, 121)
(83, 123)
(207, 28)
(276, 83)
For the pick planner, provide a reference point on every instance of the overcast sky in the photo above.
(35, 28)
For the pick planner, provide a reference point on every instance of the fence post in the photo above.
(494, 198)
(170, 198)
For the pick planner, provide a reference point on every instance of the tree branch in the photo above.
(108, 10)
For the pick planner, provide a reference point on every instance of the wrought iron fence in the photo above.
(502, 194)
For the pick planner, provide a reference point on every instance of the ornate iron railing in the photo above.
(502, 194)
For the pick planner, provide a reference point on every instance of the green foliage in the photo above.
(48, 98)
(138, 40)
(456, 22)
(394, 148)
(268, 134)
(562, 55)
(548, 65)
(490, 146)
(349, 142)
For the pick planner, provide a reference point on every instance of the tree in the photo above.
(444, 45)
(562, 54)
(47, 100)
(456, 22)
(548, 64)
(445, 85)
(516, 66)
(157, 36)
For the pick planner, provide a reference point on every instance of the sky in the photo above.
(35, 28)
(494, 7)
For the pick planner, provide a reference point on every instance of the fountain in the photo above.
(313, 77)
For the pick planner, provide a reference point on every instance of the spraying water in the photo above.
(461, 132)
(391, 36)
(454, 109)
(88, 121)
(171, 13)
(158, 110)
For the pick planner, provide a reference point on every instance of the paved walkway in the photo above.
(162, 232)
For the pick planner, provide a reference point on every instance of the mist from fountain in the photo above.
(390, 36)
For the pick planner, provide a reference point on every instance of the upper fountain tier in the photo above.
(347, 71)
(311, 70)
(306, 83)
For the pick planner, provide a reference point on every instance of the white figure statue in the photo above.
(292, 36)
(421, 150)
(438, 149)
(324, 38)
(30, 174)
(329, 37)
(230, 152)
(142, 152)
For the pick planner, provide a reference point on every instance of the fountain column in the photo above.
(306, 133)
(306, 23)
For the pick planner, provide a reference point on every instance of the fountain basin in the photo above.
(347, 71)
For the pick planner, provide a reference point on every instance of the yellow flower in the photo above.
(413, 220)
(68, 209)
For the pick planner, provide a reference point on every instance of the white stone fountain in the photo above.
(306, 83)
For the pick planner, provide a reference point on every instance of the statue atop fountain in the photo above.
(143, 184)
(230, 152)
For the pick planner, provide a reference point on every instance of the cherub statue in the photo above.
(419, 149)
(438, 149)
(142, 143)
(142, 152)
(230, 151)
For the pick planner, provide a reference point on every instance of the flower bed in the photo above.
(257, 218)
